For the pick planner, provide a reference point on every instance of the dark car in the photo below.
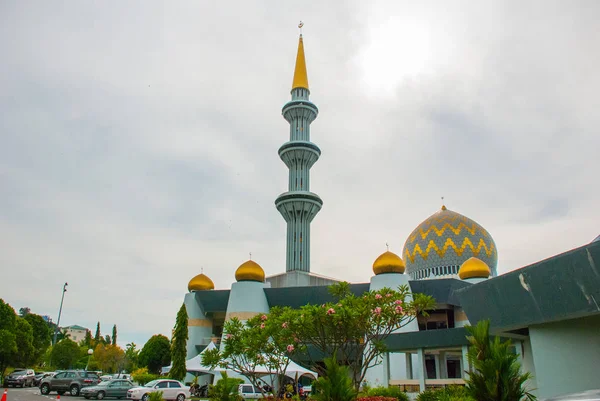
(112, 388)
(20, 378)
(69, 380)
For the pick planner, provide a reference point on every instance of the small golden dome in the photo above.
(474, 268)
(201, 283)
(388, 262)
(250, 271)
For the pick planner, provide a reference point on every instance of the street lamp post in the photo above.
(59, 313)
(90, 352)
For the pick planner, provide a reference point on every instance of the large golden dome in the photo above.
(388, 262)
(201, 283)
(474, 268)
(250, 271)
(443, 242)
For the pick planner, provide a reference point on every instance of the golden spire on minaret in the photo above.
(300, 76)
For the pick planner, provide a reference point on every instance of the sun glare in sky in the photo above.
(397, 49)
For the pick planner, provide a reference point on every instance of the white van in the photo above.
(249, 392)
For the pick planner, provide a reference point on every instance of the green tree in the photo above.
(41, 335)
(178, 347)
(107, 340)
(156, 353)
(354, 327)
(98, 336)
(131, 357)
(110, 358)
(264, 340)
(24, 337)
(88, 341)
(8, 337)
(496, 374)
(65, 353)
(24, 311)
(114, 336)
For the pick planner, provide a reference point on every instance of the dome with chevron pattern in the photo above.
(443, 242)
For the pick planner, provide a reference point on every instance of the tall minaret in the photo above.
(298, 205)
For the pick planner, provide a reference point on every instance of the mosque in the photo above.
(448, 256)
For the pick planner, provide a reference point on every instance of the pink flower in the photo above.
(388, 295)
(263, 317)
(377, 311)
(331, 311)
(228, 336)
(378, 296)
(399, 309)
(262, 325)
(284, 325)
(290, 348)
(398, 302)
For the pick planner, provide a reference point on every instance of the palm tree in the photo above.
(496, 374)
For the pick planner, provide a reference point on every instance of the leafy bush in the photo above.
(155, 396)
(387, 392)
(226, 389)
(451, 393)
(377, 398)
(337, 385)
(141, 376)
(429, 395)
(496, 374)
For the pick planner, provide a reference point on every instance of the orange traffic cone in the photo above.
(4, 395)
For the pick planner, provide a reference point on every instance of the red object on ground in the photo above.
(58, 397)
(4, 395)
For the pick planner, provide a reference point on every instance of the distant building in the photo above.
(47, 318)
(75, 332)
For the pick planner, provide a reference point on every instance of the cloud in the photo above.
(139, 143)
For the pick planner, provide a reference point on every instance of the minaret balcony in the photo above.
(298, 205)
(299, 153)
(300, 109)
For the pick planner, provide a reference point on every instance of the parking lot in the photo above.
(32, 394)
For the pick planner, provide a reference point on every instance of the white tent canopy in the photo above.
(194, 364)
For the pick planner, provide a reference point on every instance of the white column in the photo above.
(438, 370)
(443, 365)
(421, 368)
(386, 370)
(409, 370)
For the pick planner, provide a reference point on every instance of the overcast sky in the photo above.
(138, 140)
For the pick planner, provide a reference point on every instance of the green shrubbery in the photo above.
(155, 396)
(392, 391)
(451, 393)
(141, 376)
(336, 386)
(226, 389)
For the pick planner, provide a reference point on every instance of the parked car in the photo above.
(249, 392)
(111, 388)
(68, 380)
(20, 378)
(171, 389)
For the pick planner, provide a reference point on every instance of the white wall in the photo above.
(566, 355)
